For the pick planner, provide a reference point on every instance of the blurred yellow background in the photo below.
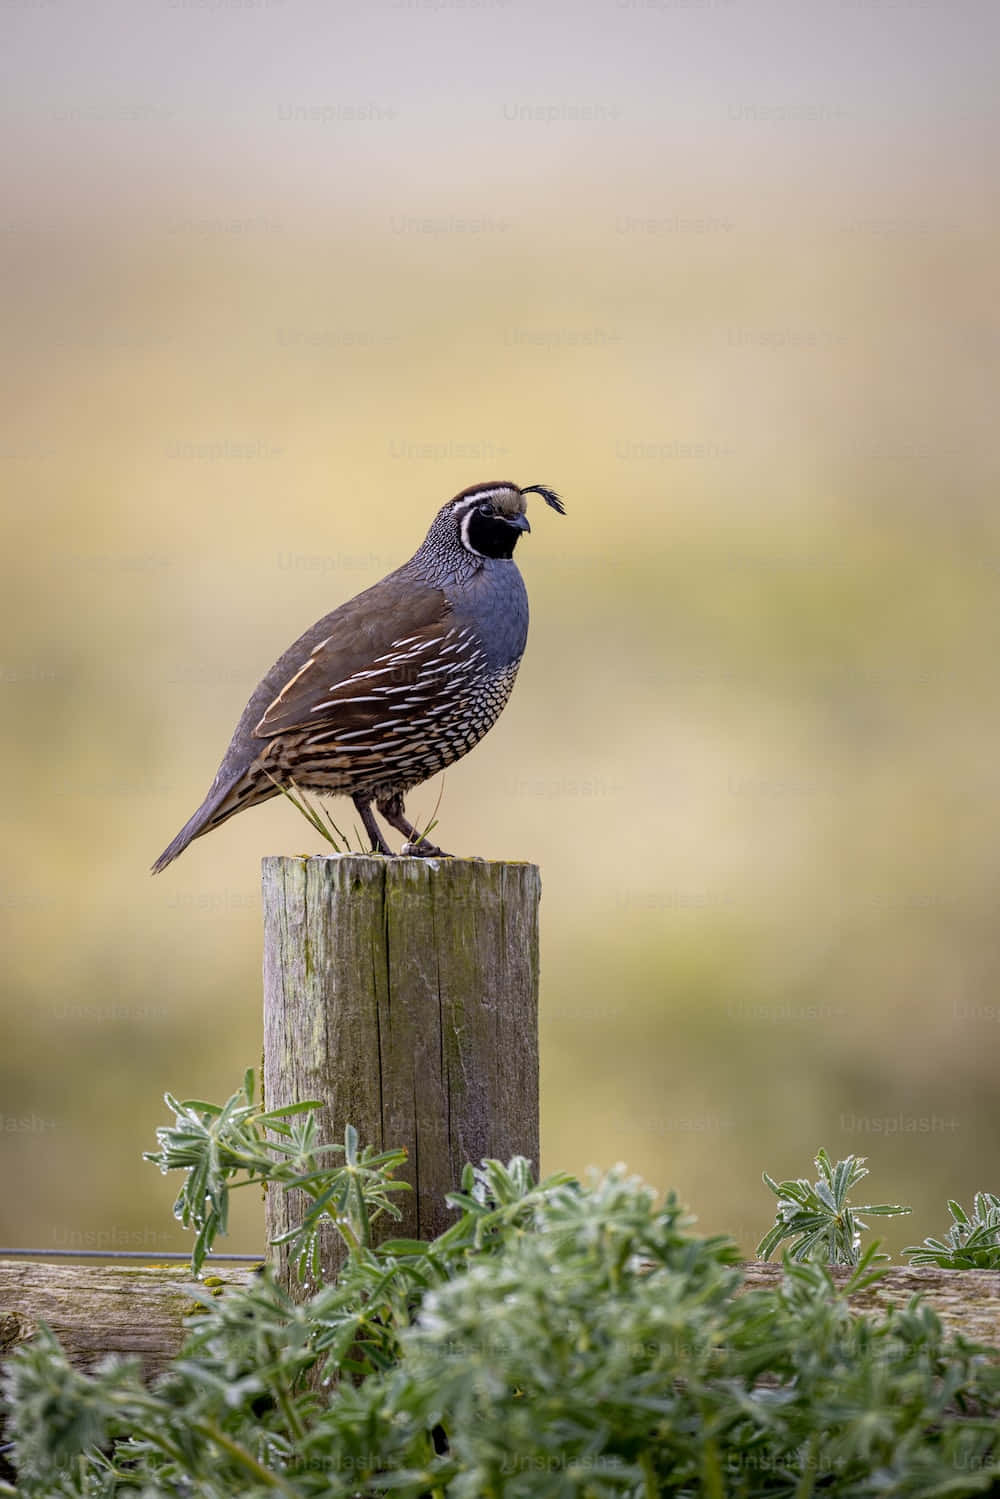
(278, 279)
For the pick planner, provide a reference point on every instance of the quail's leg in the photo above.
(379, 845)
(391, 808)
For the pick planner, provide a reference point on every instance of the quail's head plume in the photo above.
(393, 685)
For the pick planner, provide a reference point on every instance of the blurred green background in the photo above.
(277, 280)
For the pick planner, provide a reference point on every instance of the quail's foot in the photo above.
(424, 850)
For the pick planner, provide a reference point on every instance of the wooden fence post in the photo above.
(403, 993)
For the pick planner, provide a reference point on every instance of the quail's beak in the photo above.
(519, 522)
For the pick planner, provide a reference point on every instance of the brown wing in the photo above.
(348, 672)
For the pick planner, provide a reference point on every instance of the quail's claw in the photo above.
(424, 850)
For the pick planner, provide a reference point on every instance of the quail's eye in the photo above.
(485, 508)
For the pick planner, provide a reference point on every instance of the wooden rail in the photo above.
(147, 1311)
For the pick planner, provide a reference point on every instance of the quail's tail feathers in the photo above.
(221, 803)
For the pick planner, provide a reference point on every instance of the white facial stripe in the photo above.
(486, 494)
(464, 532)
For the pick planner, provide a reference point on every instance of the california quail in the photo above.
(396, 683)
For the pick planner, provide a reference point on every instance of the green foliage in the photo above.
(818, 1217)
(318, 818)
(559, 1341)
(240, 1144)
(972, 1243)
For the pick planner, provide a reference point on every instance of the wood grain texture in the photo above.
(99, 1309)
(967, 1301)
(403, 993)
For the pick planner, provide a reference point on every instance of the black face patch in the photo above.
(490, 535)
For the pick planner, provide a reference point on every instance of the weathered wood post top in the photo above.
(403, 993)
